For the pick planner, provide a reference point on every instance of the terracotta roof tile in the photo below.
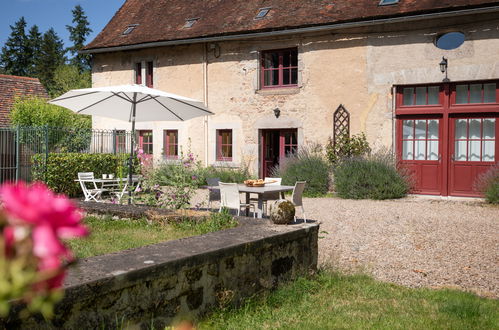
(12, 87)
(162, 20)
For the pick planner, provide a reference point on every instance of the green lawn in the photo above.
(108, 235)
(333, 301)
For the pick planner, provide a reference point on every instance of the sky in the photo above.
(56, 14)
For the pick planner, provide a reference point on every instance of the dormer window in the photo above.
(262, 12)
(190, 22)
(388, 2)
(129, 29)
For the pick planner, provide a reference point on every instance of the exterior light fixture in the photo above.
(277, 112)
(443, 68)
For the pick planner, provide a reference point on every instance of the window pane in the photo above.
(286, 60)
(271, 77)
(489, 128)
(294, 58)
(461, 94)
(460, 153)
(294, 138)
(475, 129)
(489, 93)
(474, 151)
(433, 95)
(461, 129)
(488, 152)
(408, 96)
(294, 76)
(172, 150)
(476, 93)
(420, 150)
(408, 131)
(285, 76)
(420, 95)
(271, 60)
(432, 150)
(420, 129)
(227, 151)
(407, 150)
(433, 129)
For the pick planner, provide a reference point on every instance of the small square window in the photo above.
(129, 29)
(171, 144)
(279, 68)
(190, 22)
(262, 12)
(388, 2)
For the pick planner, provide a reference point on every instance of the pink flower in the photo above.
(52, 218)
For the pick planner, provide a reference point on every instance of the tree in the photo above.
(34, 42)
(78, 35)
(51, 57)
(14, 57)
(67, 77)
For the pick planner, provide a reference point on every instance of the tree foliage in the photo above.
(78, 35)
(51, 57)
(15, 58)
(67, 77)
(35, 111)
(33, 46)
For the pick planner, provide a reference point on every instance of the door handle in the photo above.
(452, 158)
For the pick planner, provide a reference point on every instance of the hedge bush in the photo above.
(61, 169)
(370, 177)
(308, 165)
(488, 183)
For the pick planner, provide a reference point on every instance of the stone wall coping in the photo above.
(147, 261)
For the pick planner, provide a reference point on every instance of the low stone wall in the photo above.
(186, 278)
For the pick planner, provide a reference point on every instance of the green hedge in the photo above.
(62, 169)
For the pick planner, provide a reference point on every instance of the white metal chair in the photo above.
(93, 193)
(297, 197)
(213, 194)
(230, 199)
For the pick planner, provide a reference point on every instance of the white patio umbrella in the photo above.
(131, 103)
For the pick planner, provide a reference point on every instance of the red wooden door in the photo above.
(473, 150)
(420, 145)
(277, 144)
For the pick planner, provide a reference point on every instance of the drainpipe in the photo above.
(205, 99)
(394, 103)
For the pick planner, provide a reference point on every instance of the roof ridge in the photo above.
(8, 76)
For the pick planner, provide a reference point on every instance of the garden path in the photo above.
(414, 241)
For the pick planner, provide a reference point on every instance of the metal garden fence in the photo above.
(19, 145)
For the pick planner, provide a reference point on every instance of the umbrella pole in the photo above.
(132, 139)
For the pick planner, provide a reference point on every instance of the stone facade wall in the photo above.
(355, 68)
(156, 284)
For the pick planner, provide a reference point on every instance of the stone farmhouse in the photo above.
(418, 76)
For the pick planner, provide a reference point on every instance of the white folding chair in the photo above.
(230, 199)
(297, 197)
(89, 193)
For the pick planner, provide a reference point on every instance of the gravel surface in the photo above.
(415, 241)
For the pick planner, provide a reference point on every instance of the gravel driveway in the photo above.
(414, 241)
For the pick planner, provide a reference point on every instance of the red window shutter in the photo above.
(149, 79)
(138, 73)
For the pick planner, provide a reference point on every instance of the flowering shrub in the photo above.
(488, 183)
(33, 257)
(171, 185)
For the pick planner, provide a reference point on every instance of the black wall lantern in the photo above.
(443, 68)
(277, 112)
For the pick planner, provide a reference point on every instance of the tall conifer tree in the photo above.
(51, 57)
(34, 43)
(14, 58)
(78, 35)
